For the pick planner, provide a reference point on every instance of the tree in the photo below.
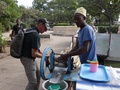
(40, 4)
(56, 10)
(63, 10)
(9, 9)
(66, 10)
(29, 15)
(95, 7)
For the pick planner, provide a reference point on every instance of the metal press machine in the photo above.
(56, 73)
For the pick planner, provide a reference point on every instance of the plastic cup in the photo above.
(93, 66)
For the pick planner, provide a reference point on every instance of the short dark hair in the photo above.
(17, 20)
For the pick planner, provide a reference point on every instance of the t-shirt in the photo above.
(85, 34)
(16, 29)
(31, 40)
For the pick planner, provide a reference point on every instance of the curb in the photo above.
(45, 35)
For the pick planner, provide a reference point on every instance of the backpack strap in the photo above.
(30, 31)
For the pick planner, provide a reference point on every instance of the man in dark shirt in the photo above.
(16, 28)
(30, 51)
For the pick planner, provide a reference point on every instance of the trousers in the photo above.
(32, 72)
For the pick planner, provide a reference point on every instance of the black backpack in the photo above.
(17, 42)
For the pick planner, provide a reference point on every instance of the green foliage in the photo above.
(11, 25)
(2, 7)
(61, 24)
(8, 9)
(95, 7)
(8, 27)
(57, 11)
(88, 20)
(24, 25)
(29, 16)
(102, 29)
(3, 41)
(115, 64)
(101, 24)
(32, 25)
(3, 44)
(40, 4)
(114, 29)
(1, 28)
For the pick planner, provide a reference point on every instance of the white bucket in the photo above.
(63, 85)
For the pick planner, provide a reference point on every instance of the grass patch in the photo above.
(114, 64)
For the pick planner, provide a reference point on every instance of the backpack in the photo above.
(17, 42)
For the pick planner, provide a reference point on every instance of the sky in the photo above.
(26, 3)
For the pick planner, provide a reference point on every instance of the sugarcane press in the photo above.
(48, 65)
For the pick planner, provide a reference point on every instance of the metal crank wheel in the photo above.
(46, 65)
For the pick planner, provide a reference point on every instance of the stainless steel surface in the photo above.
(58, 74)
(57, 77)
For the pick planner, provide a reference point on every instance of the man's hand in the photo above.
(61, 60)
(47, 56)
(64, 56)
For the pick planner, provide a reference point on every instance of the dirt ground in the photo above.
(12, 75)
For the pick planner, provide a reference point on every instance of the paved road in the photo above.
(12, 75)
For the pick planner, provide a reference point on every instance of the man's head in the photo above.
(80, 16)
(18, 21)
(91, 23)
(42, 25)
